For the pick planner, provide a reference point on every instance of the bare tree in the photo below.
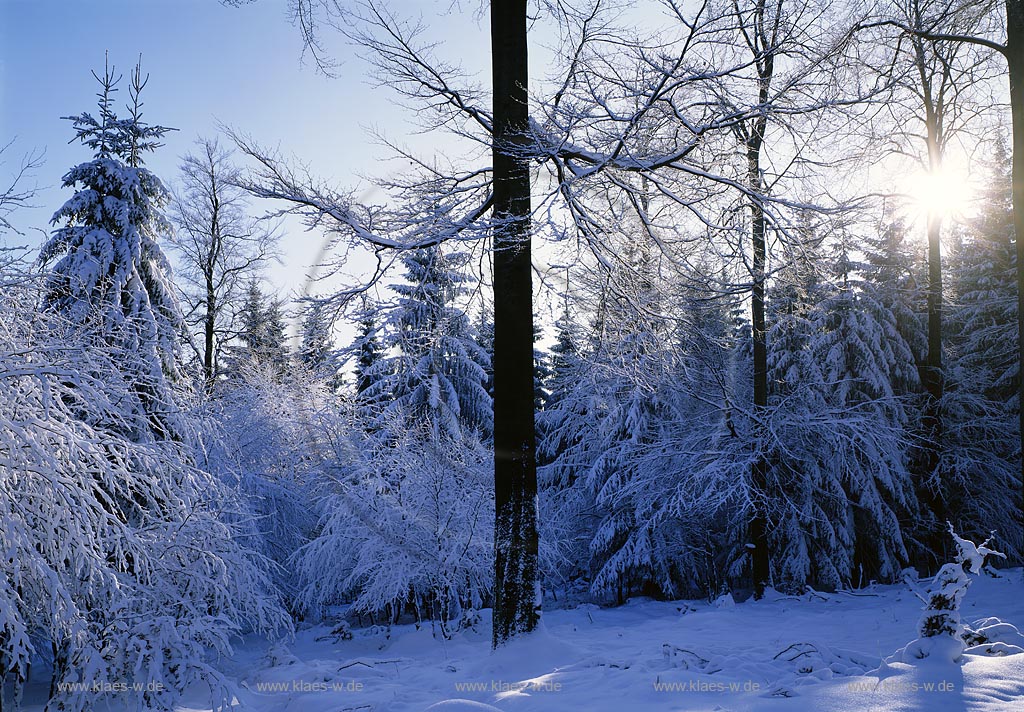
(761, 75)
(982, 28)
(15, 195)
(939, 80)
(219, 245)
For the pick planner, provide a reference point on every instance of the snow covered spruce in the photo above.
(943, 636)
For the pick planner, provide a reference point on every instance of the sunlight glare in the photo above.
(943, 194)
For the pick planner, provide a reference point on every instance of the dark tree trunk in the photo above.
(931, 486)
(933, 382)
(760, 558)
(516, 599)
(758, 527)
(209, 327)
(1015, 60)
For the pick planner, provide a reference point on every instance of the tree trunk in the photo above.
(1015, 62)
(933, 383)
(758, 526)
(764, 51)
(516, 593)
(757, 533)
(209, 326)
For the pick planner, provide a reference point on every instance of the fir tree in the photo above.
(980, 468)
(109, 274)
(837, 454)
(262, 334)
(316, 350)
(367, 349)
(484, 337)
(438, 370)
(317, 353)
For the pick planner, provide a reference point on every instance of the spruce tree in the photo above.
(316, 350)
(838, 476)
(438, 370)
(367, 349)
(107, 271)
(262, 338)
(980, 468)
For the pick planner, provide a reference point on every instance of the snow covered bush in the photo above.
(119, 568)
(268, 437)
(406, 525)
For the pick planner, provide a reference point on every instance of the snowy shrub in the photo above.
(267, 438)
(991, 636)
(406, 524)
(116, 557)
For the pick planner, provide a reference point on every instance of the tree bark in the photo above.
(209, 329)
(516, 587)
(758, 526)
(933, 380)
(757, 532)
(1015, 61)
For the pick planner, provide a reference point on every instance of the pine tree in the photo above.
(892, 278)
(484, 337)
(563, 426)
(438, 370)
(980, 468)
(985, 308)
(601, 436)
(262, 335)
(837, 454)
(416, 490)
(564, 361)
(274, 348)
(315, 349)
(367, 349)
(109, 274)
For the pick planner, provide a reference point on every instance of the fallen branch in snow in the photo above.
(858, 595)
(368, 665)
(811, 593)
(687, 659)
(801, 650)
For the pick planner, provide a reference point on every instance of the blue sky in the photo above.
(207, 63)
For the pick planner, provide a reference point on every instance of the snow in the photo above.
(820, 651)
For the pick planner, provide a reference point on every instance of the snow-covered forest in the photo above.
(678, 370)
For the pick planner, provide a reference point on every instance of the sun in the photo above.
(943, 193)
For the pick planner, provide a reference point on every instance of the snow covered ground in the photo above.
(815, 652)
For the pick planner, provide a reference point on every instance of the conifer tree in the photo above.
(262, 334)
(438, 370)
(367, 349)
(107, 271)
